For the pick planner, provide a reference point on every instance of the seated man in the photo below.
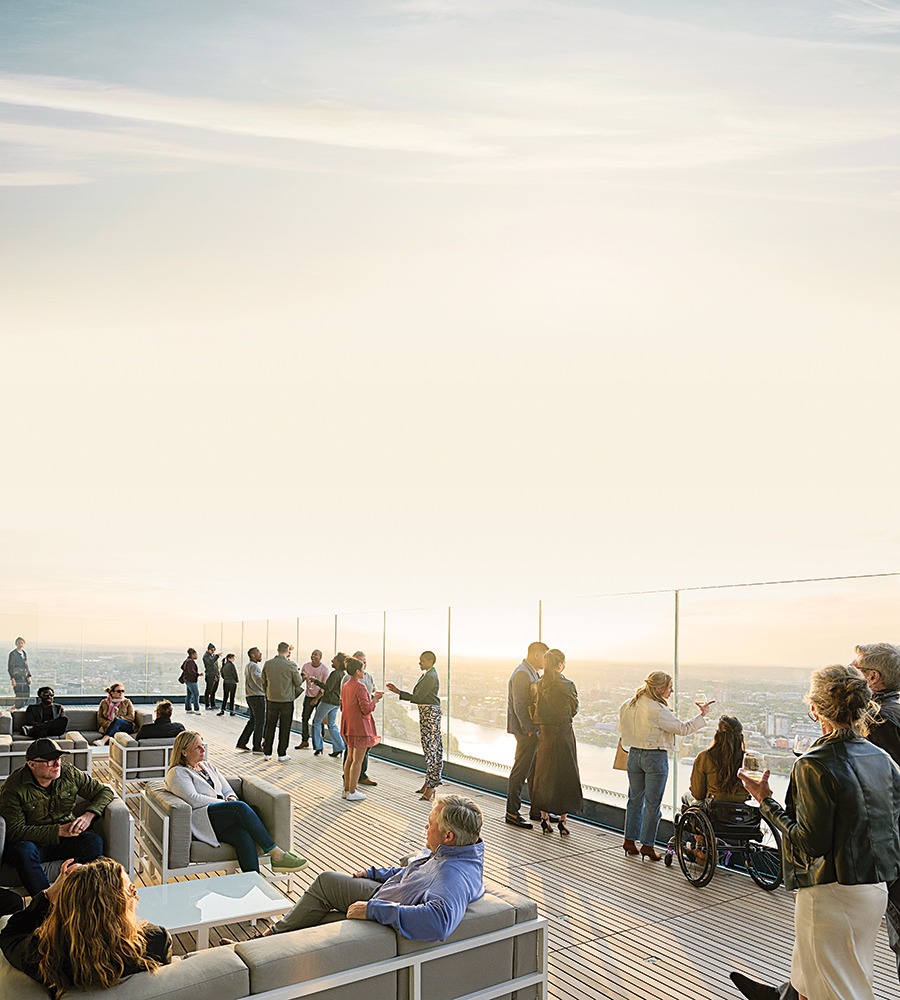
(38, 802)
(45, 718)
(162, 728)
(426, 899)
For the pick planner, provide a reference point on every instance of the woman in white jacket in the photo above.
(217, 813)
(648, 729)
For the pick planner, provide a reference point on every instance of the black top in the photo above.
(887, 735)
(36, 714)
(19, 943)
(554, 703)
(159, 730)
(229, 672)
(331, 689)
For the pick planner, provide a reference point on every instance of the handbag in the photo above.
(621, 760)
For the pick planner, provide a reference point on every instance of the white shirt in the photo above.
(650, 725)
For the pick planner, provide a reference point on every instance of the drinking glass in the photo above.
(754, 764)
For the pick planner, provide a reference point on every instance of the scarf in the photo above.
(112, 707)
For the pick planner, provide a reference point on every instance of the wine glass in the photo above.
(701, 698)
(754, 764)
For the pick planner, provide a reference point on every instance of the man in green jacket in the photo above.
(38, 803)
(282, 683)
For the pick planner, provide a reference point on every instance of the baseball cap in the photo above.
(44, 749)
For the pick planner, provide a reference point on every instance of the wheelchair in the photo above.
(709, 833)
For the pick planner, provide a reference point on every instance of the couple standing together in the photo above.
(539, 713)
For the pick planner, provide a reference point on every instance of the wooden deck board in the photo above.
(619, 929)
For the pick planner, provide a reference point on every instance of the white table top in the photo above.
(210, 902)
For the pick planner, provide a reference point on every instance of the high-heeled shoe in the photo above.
(630, 848)
(546, 826)
(427, 795)
(563, 829)
(648, 852)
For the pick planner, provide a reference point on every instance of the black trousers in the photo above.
(55, 727)
(279, 714)
(256, 724)
(229, 689)
(522, 771)
(309, 706)
(209, 695)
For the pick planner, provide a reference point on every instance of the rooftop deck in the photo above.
(618, 928)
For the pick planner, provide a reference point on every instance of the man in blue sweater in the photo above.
(426, 899)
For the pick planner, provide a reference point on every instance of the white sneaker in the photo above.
(354, 796)
(267, 756)
(284, 759)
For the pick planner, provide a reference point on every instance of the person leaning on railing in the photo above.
(82, 932)
(840, 831)
(648, 729)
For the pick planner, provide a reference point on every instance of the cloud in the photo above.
(40, 178)
(318, 122)
(867, 17)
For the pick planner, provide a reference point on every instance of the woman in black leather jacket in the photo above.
(840, 830)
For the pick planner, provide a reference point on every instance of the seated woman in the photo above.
(83, 932)
(218, 815)
(114, 715)
(715, 772)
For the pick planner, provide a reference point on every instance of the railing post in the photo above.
(676, 683)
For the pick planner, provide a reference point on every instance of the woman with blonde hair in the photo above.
(840, 842)
(649, 727)
(217, 815)
(83, 932)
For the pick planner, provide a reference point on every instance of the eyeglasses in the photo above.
(118, 689)
(42, 760)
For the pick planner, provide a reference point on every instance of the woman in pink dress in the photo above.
(357, 726)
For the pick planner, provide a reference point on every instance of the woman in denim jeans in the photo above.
(327, 709)
(648, 729)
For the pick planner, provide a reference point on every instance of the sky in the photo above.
(310, 307)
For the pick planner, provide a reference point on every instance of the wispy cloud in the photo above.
(869, 17)
(41, 178)
(320, 122)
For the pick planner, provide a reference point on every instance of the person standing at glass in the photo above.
(648, 728)
(426, 695)
(229, 684)
(211, 676)
(190, 676)
(255, 694)
(19, 674)
(327, 709)
(557, 783)
(519, 724)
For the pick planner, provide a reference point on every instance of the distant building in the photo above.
(777, 724)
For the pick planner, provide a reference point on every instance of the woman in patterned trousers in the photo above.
(425, 695)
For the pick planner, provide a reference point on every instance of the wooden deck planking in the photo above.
(619, 929)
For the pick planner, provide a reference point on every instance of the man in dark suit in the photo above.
(879, 663)
(45, 718)
(162, 728)
(211, 676)
(518, 722)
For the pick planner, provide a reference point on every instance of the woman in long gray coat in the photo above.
(217, 813)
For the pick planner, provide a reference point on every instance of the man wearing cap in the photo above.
(38, 803)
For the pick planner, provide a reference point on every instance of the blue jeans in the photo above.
(119, 726)
(327, 713)
(647, 774)
(237, 824)
(27, 856)
(191, 696)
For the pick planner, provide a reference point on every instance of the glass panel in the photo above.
(255, 634)
(753, 648)
(407, 634)
(114, 651)
(56, 659)
(14, 624)
(167, 645)
(315, 632)
(487, 642)
(365, 632)
(233, 642)
(611, 644)
(282, 630)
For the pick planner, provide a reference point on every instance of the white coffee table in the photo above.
(201, 903)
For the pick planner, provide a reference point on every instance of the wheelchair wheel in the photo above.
(764, 857)
(695, 847)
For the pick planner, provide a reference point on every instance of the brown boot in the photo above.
(630, 848)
